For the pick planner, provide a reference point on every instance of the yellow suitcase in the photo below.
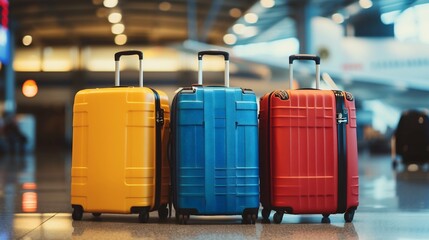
(120, 136)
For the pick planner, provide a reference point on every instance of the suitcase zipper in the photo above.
(343, 117)
(159, 118)
(268, 152)
(342, 121)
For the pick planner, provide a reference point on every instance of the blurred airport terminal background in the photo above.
(378, 50)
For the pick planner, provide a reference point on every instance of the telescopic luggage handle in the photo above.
(118, 55)
(314, 58)
(213, 52)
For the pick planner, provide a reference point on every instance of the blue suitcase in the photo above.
(214, 150)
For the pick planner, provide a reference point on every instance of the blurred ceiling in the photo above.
(85, 22)
(158, 22)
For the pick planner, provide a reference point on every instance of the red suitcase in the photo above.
(308, 151)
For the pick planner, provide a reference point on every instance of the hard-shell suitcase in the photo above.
(411, 138)
(308, 151)
(215, 167)
(120, 135)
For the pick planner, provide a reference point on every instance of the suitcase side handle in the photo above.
(213, 52)
(309, 57)
(118, 56)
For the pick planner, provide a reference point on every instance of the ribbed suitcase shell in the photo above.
(215, 151)
(113, 156)
(299, 153)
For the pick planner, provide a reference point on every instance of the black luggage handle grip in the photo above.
(129, 52)
(213, 52)
(314, 58)
(304, 57)
(118, 55)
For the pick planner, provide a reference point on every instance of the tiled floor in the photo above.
(35, 192)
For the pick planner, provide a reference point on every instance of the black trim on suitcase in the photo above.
(172, 154)
(342, 120)
(266, 167)
(159, 122)
(173, 149)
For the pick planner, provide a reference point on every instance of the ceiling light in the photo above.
(230, 39)
(235, 12)
(249, 31)
(118, 28)
(251, 17)
(115, 17)
(27, 40)
(238, 28)
(110, 3)
(120, 39)
(164, 6)
(268, 3)
(29, 88)
(338, 18)
(389, 17)
(352, 9)
(365, 3)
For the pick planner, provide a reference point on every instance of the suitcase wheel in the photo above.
(96, 214)
(265, 221)
(182, 218)
(266, 214)
(77, 213)
(348, 216)
(143, 216)
(278, 217)
(326, 218)
(163, 212)
(248, 218)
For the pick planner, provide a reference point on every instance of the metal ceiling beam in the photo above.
(192, 20)
(211, 18)
(9, 75)
(303, 26)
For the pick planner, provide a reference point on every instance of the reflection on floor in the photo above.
(35, 196)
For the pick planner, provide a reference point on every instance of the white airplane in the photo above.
(384, 61)
(389, 74)
(375, 60)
